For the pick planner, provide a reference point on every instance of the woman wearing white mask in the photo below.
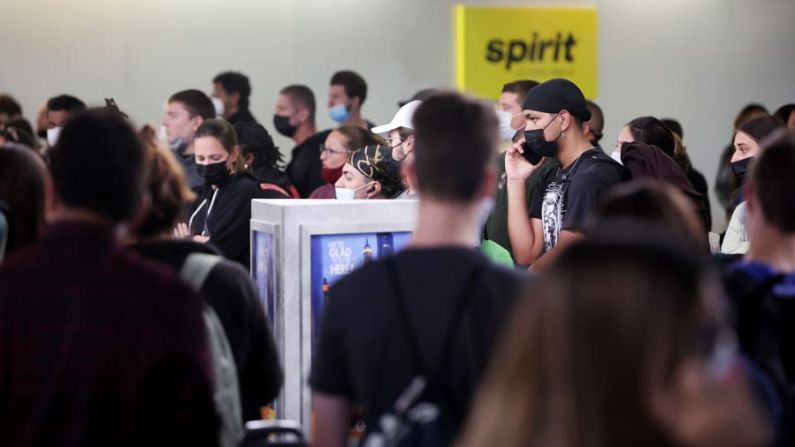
(371, 173)
(335, 152)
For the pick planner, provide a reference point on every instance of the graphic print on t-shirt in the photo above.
(552, 214)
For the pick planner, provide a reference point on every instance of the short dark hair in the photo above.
(520, 87)
(302, 96)
(674, 126)
(773, 177)
(784, 112)
(762, 127)
(67, 103)
(98, 165)
(597, 120)
(196, 102)
(747, 113)
(455, 139)
(9, 105)
(222, 131)
(354, 84)
(254, 139)
(235, 82)
(650, 130)
(22, 176)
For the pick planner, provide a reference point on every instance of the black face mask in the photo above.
(536, 146)
(214, 174)
(740, 168)
(283, 126)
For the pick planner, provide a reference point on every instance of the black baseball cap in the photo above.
(555, 95)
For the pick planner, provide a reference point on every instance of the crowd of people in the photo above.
(128, 316)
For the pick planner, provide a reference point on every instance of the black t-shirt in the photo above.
(363, 354)
(304, 168)
(229, 216)
(565, 198)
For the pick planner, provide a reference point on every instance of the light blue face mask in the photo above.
(339, 113)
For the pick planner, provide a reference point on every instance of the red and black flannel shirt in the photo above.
(99, 347)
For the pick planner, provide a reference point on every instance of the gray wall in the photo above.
(696, 60)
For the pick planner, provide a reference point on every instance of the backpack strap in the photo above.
(226, 389)
(196, 268)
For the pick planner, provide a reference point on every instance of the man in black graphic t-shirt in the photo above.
(565, 197)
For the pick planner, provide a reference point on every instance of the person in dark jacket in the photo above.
(234, 90)
(227, 289)
(221, 214)
(294, 117)
(647, 161)
(263, 160)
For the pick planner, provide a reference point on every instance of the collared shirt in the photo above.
(99, 347)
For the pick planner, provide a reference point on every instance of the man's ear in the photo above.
(567, 121)
(409, 144)
(302, 115)
(374, 189)
(197, 121)
(235, 99)
(586, 129)
(356, 103)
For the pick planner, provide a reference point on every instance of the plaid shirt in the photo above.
(99, 347)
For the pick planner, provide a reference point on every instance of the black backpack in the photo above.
(422, 415)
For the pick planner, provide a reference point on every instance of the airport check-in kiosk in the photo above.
(299, 248)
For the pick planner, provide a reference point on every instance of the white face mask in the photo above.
(162, 134)
(506, 131)
(219, 106)
(616, 155)
(53, 134)
(347, 193)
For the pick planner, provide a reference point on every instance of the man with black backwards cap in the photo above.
(565, 197)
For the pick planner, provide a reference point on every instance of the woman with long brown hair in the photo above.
(622, 344)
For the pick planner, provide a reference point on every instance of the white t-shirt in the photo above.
(735, 242)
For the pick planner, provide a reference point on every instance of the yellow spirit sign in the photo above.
(496, 45)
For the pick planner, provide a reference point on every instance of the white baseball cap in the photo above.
(402, 119)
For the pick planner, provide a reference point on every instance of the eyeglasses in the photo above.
(329, 151)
